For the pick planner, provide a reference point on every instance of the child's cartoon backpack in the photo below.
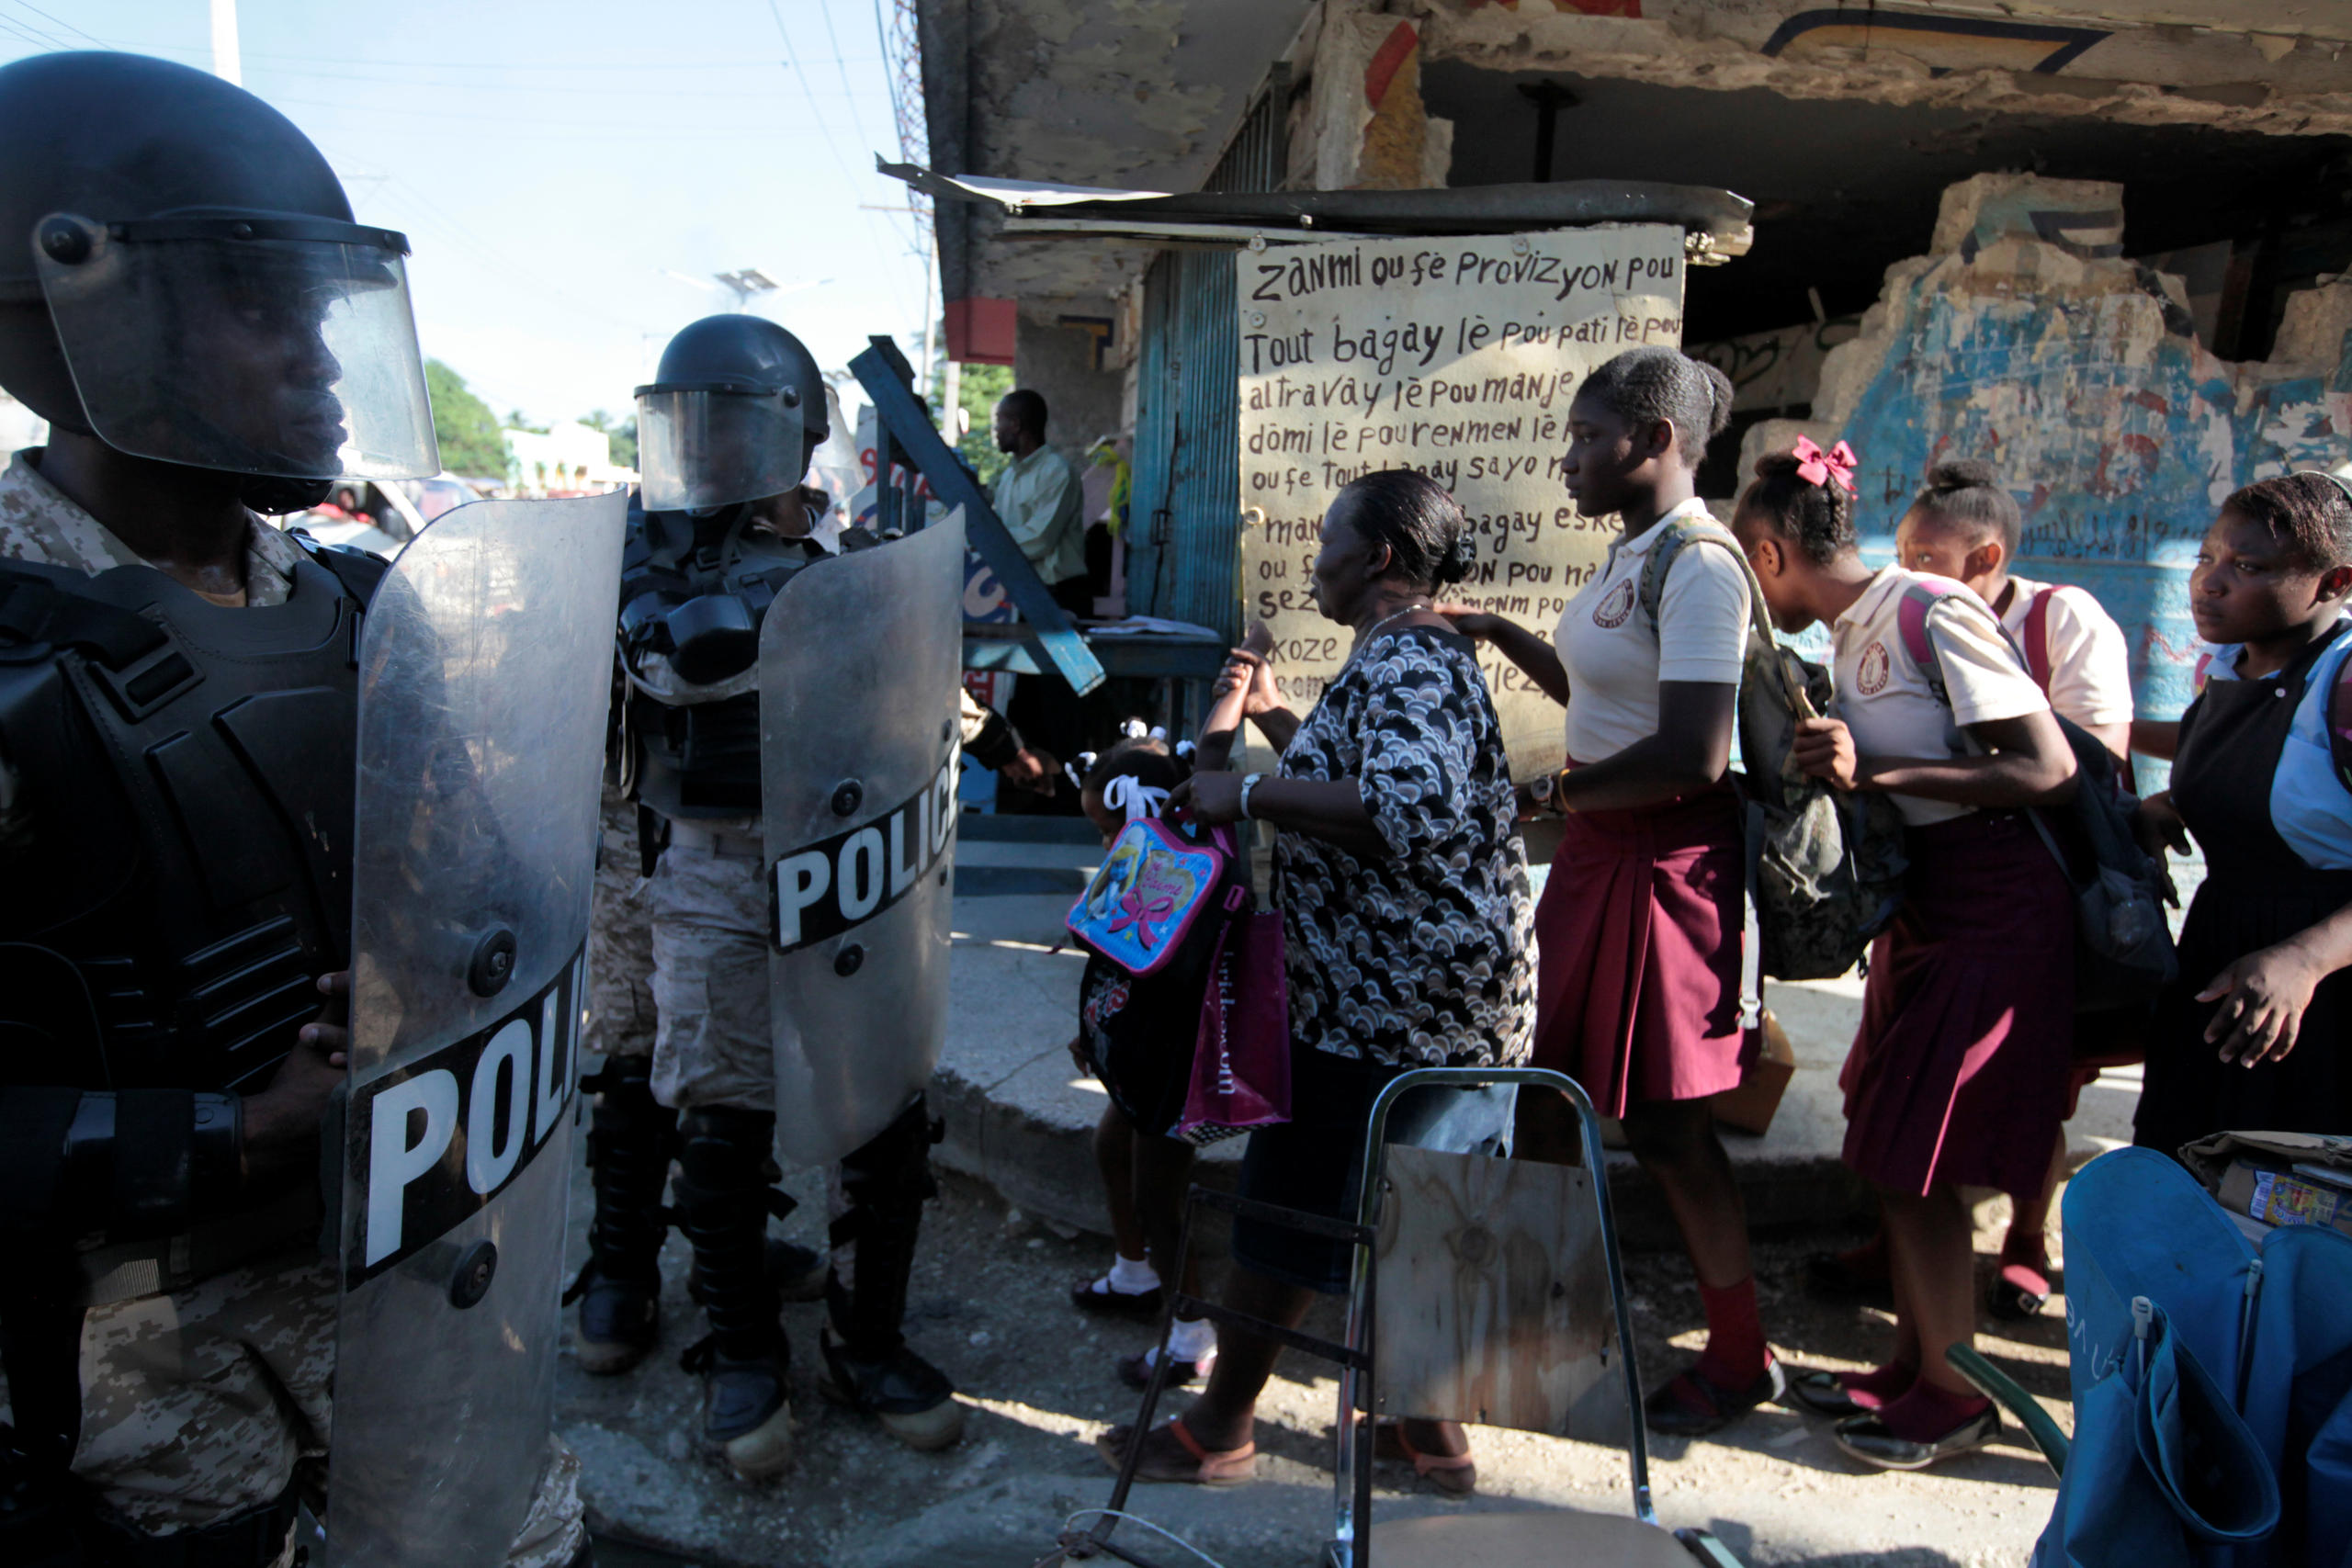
(1154, 918)
(1824, 868)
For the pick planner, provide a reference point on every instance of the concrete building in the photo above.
(20, 426)
(2101, 242)
(570, 458)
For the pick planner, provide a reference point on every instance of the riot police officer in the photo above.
(185, 299)
(725, 436)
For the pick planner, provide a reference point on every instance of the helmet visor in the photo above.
(700, 447)
(281, 347)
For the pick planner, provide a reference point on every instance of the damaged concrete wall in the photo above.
(2279, 66)
(1366, 126)
(2024, 338)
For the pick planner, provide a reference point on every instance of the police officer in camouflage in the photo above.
(185, 299)
(726, 433)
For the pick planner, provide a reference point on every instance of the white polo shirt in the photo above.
(2090, 662)
(1615, 654)
(1885, 698)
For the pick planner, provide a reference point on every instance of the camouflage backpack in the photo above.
(1824, 868)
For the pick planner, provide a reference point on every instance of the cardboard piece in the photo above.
(2267, 1180)
(1751, 1106)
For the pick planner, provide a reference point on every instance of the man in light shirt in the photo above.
(1038, 497)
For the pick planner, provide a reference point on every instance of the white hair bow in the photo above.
(1137, 799)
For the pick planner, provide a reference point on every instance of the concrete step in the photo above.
(1021, 1113)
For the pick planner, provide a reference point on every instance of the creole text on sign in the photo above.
(1455, 358)
(435, 1139)
(822, 889)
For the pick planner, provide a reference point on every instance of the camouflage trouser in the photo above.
(713, 1042)
(203, 1402)
(620, 941)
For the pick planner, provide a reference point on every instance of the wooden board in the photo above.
(1493, 1303)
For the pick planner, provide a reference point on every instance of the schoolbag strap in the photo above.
(2037, 638)
(2339, 721)
(1706, 531)
(1911, 625)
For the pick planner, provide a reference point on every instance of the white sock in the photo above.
(1133, 1276)
(1190, 1339)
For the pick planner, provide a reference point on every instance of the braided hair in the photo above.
(2310, 512)
(1643, 386)
(1818, 518)
(1963, 495)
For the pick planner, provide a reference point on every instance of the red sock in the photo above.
(1736, 1354)
(1927, 1412)
(1880, 1385)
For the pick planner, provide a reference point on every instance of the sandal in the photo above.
(2019, 1292)
(1456, 1475)
(1206, 1467)
(1693, 1406)
(1097, 1296)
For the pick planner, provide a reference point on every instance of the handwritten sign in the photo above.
(1456, 357)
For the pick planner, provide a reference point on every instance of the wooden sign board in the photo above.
(1457, 358)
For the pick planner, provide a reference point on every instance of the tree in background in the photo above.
(467, 429)
(622, 432)
(982, 385)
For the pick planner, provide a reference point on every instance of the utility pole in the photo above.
(225, 63)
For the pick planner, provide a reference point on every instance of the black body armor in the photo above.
(694, 591)
(184, 873)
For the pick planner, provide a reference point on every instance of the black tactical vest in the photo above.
(178, 864)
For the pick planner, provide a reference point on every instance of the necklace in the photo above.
(1372, 630)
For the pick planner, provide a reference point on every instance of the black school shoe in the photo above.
(1866, 1438)
(1666, 1413)
(1824, 1393)
(1085, 1297)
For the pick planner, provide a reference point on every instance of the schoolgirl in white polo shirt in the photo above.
(1965, 525)
(1639, 930)
(1958, 1074)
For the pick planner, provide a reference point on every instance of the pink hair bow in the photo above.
(1815, 466)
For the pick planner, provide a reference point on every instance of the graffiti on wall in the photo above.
(1942, 43)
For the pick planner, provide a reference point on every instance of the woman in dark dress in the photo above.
(2252, 1037)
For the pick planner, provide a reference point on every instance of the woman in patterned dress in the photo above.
(1407, 920)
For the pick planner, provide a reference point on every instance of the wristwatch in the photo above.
(1248, 784)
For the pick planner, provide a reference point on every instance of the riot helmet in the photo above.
(180, 277)
(734, 413)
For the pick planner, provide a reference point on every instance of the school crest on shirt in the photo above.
(1614, 606)
(1870, 679)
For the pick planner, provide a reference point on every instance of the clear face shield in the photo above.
(700, 446)
(279, 346)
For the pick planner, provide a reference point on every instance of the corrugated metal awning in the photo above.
(1716, 222)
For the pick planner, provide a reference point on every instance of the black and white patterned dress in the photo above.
(1427, 957)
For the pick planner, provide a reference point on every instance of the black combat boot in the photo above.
(631, 1141)
(868, 1365)
(724, 1199)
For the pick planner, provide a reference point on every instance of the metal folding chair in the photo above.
(1489, 1273)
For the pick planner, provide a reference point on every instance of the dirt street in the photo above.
(990, 1308)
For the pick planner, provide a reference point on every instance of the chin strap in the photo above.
(275, 497)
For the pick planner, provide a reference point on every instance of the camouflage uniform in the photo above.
(203, 1401)
(620, 941)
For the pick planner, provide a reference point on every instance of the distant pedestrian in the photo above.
(1641, 925)
(1040, 499)
(2254, 1034)
(1958, 1075)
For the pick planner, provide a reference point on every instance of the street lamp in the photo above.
(744, 283)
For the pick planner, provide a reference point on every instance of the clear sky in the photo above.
(552, 161)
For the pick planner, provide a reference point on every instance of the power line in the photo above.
(33, 34)
(792, 58)
(24, 6)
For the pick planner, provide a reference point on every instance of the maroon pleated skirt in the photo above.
(1959, 1073)
(1638, 952)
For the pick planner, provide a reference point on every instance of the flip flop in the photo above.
(1209, 1467)
(1456, 1475)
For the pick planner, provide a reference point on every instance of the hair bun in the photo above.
(1960, 473)
(1460, 559)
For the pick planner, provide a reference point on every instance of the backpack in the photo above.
(2123, 950)
(1154, 920)
(1825, 867)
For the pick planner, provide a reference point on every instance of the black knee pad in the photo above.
(893, 1168)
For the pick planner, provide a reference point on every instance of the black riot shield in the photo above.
(859, 662)
(483, 672)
